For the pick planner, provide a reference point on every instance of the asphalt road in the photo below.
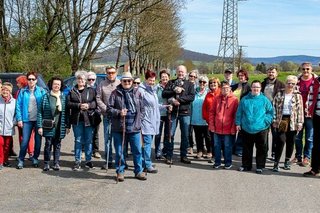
(182, 188)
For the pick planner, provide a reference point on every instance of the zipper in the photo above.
(4, 117)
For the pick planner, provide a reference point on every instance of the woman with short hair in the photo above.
(53, 108)
(81, 100)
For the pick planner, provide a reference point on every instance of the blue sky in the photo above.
(267, 27)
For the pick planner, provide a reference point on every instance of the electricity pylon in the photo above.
(229, 47)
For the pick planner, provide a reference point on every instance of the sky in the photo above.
(267, 28)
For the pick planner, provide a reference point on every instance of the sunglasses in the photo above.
(289, 83)
(111, 73)
(126, 81)
(136, 82)
(91, 79)
(31, 79)
(305, 69)
(214, 82)
(202, 82)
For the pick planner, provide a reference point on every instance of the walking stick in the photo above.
(169, 135)
(123, 140)
(108, 144)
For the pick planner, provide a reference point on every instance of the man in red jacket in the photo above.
(222, 124)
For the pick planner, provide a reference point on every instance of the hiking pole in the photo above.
(123, 140)
(108, 144)
(170, 126)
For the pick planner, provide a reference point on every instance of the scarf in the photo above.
(128, 99)
(58, 103)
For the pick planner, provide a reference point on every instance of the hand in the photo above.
(20, 124)
(40, 131)
(67, 130)
(274, 125)
(123, 112)
(299, 128)
(84, 106)
(176, 102)
(170, 107)
(238, 128)
(178, 90)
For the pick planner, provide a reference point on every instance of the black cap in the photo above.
(228, 70)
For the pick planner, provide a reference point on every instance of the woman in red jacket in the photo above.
(222, 124)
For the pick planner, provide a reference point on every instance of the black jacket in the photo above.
(75, 99)
(245, 88)
(185, 98)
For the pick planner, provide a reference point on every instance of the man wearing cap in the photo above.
(104, 90)
(125, 107)
(228, 77)
(180, 93)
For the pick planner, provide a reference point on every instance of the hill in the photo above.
(111, 55)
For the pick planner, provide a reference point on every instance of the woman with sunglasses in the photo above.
(214, 91)
(81, 100)
(288, 120)
(200, 125)
(26, 113)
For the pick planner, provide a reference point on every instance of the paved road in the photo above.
(182, 188)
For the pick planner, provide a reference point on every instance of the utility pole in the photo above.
(240, 56)
(229, 48)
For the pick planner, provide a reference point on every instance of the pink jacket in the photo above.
(222, 114)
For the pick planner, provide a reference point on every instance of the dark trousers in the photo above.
(191, 142)
(202, 135)
(287, 138)
(54, 142)
(315, 160)
(95, 139)
(260, 141)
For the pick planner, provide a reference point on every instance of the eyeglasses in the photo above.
(225, 88)
(192, 76)
(214, 82)
(289, 83)
(305, 69)
(111, 73)
(31, 79)
(126, 81)
(202, 82)
(91, 79)
(136, 82)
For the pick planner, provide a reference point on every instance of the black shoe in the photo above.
(7, 164)
(56, 167)
(89, 165)
(46, 168)
(185, 160)
(244, 169)
(76, 166)
(168, 161)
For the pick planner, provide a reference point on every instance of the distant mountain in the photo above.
(294, 58)
(111, 56)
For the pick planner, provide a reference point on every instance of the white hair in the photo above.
(81, 74)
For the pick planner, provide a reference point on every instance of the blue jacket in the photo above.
(255, 113)
(22, 106)
(196, 113)
(150, 118)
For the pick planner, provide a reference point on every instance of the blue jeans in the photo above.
(146, 151)
(134, 139)
(26, 132)
(227, 141)
(184, 121)
(308, 126)
(157, 140)
(82, 137)
(107, 139)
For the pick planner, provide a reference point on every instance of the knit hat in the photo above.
(8, 86)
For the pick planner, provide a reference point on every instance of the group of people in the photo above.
(226, 118)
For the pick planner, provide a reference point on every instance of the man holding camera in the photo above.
(180, 94)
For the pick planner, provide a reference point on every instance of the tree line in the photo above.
(61, 36)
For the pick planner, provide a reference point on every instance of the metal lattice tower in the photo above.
(229, 48)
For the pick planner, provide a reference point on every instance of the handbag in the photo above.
(284, 124)
(48, 123)
(94, 118)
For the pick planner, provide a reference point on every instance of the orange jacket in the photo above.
(222, 115)
(207, 104)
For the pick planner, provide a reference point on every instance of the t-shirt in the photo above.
(304, 87)
(287, 104)
(32, 108)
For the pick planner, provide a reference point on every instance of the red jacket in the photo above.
(207, 104)
(222, 115)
